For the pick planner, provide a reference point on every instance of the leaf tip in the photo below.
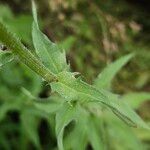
(34, 11)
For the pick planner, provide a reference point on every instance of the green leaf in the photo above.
(29, 122)
(88, 133)
(75, 89)
(63, 118)
(94, 135)
(105, 77)
(24, 55)
(67, 43)
(5, 57)
(49, 105)
(81, 127)
(19, 24)
(49, 53)
(119, 132)
(136, 99)
(124, 111)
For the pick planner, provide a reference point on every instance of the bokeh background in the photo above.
(94, 33)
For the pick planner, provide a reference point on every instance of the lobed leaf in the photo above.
(105, 77)
(75, 89)
(49, 53)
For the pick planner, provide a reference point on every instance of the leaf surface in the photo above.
(75, 89)
(105, 77)
(49, 105)
(81, 127)
(136, 99)
(94, 135)
(49, 53)
(63, 118)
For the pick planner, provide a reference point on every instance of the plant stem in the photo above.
(24, 55)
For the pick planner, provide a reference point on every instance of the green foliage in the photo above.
(104, 79)
(63, 117)
(71, 99)
(118, 132)
(30, 125)
(48, 52)
(67, 43)
(13, 76)
(20, 25)
(5, 57)
(75, 89)
(136, 99)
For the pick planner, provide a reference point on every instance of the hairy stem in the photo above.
(24, 55)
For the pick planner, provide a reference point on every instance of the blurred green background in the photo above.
(94, 33)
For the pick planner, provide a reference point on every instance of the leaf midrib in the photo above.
(107, 104)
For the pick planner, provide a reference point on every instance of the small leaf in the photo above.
(136, 99)
(49, 105)
(63, 118)
(5, 57)
(105, 77)
(94, 135)
(49, 53)
(67, 43)
(75, 89)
